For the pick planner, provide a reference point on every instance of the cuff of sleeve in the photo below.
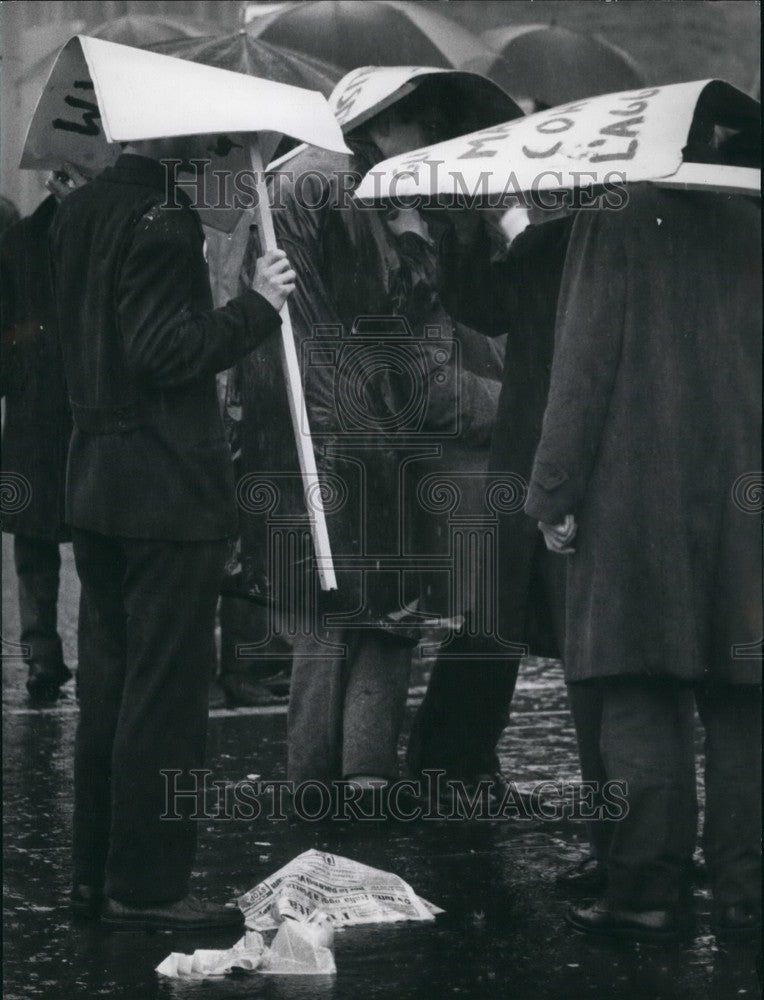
(263, 318)
(550, 494)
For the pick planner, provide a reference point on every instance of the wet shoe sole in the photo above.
(626, 933)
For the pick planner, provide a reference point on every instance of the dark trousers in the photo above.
(466, 706)
(145, 663)
(346, 704)
(646, 740)
(585, 703)
(38, 563)
(464, 710)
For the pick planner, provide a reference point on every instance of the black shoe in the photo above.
(243, 692)
(586, 879)
(85, 900)
(493, 794)
(604, 920)
(739, 920)
(43, 682)
(189, 914)
(278, 683)
(216, 697)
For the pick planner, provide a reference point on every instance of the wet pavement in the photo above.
(502, 934)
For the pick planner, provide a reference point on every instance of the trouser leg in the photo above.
(170, 592)
(374, 705)
(316, 697)
(465, 708)
(100, 678)
(731, 717)
(647, 742)
(38, 563)
(585, 701)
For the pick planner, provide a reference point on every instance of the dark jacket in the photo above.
(38, 422)
(141, 345)
(377, 385)
(652, 431)
(515, 294)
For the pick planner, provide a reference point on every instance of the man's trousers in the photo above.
(346, 704)
(145, 663)
(647, 741)
(38, 565)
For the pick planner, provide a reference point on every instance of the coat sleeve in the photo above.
(589, 334)
(7, 318)
(168, 339)
(474, 289)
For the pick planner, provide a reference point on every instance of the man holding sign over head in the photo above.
(150, 499)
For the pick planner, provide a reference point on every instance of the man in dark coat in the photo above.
(35, 443)
(363, 299)
(651, 432)
(151, 504)
(499, 291)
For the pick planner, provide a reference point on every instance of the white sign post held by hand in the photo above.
(303, 440)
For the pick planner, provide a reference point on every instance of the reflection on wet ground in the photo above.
(502, 934)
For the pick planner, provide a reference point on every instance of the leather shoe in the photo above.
(604, 920)
(187, 914)
(738, 920)
(85, 900)
(243, 692)
(43, 683)
(586, 879)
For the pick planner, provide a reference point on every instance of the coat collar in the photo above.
(142, 170)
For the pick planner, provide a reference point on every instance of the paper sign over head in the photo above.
(636, 135)
(100, 93)
(368, 90)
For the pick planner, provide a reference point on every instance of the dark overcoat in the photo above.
(141, 345)
(515, 294)
(38, 422)
(377, 362)
(652, 438)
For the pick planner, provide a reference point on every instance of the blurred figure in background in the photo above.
(36, 433)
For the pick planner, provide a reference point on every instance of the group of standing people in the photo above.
(628, 407)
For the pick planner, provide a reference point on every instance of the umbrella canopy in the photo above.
(242, 53)
(142, 30)
(553, 65)
(375, 32)
(101, 93)
(637, 135)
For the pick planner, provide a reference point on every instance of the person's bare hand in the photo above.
(557, 537)
(274, 278)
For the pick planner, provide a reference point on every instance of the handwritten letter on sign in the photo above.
(638, 133)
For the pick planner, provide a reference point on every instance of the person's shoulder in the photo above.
(310, 172)
(167, 221)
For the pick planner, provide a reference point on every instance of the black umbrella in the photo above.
(143, 30)
(552, 65)
(373, 33)
(244, 54)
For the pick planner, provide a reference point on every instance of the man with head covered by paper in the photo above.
(651, 433)
(364, 295)
(150, 501)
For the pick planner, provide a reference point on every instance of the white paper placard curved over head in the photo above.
(637, 135)
(101, 93)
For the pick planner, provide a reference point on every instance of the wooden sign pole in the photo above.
(300, 423)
